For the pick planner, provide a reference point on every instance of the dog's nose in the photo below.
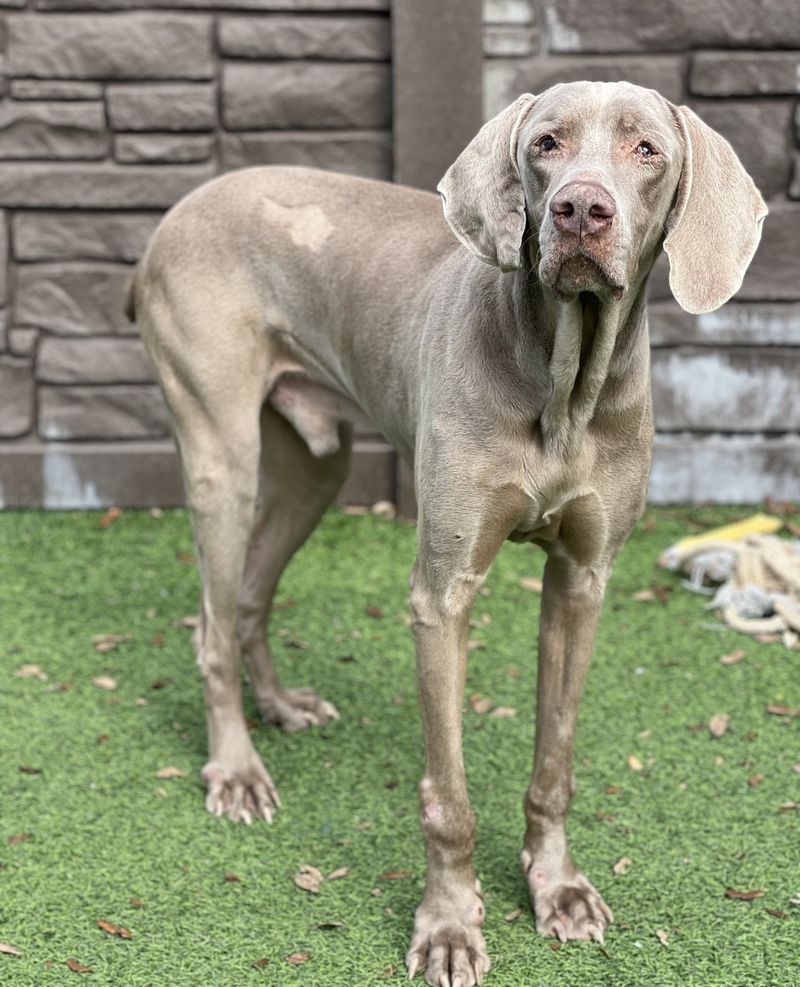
(582, 208)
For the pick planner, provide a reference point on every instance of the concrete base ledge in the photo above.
(85, 475)
(724, 469)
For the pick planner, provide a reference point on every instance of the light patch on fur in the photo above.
(539, 878)
(62, 487)
(431, 812)
(459, 594)
(307, 226)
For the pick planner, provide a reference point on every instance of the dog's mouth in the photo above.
(579, 271)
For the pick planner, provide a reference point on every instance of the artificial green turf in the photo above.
(101, 833)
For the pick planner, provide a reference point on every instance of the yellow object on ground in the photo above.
(757, 574)
(757, 524)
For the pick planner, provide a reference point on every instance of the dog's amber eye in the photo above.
(645, 150)
(546, 143)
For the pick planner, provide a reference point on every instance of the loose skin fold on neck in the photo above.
(591, 340)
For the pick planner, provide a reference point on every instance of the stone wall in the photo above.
(725, 385)
(111, 110)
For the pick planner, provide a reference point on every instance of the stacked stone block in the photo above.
(725, 385)
(110, 111)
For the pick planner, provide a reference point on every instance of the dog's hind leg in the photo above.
(296, 489)
(215, 386)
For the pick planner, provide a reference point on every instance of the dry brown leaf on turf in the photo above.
(374, 612)
(754, 780)
(114, 930)
(170, 772)
(744, 895)
(105, 682)
(110, 517)
(259, 964)
(136, 902)
(733, 658)
(395, 875)
(232, 879)
(9, 950)
(190, 620)
(533, 583)
(18, 838)
(385, 509)
(513, 916)
(308, 878)
(502, 713)
(662, 936)
(31, 672)
(340, 872)
(662, 593)
(718, 725)
(296, 959)
(776, 913)
(77, 967)
(329, 924)
(479, 703)
(634, 763)
(782, 710)
(622, 865)
(109, 642)
(643, 596)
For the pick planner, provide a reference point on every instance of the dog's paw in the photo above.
(296, 709)
(240, 793)
(566, 906)
(447, 943)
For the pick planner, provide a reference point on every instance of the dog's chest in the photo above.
(551, 485)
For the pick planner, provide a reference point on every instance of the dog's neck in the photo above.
(590, 341)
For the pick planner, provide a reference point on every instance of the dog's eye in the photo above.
(546, 143)
(645, 150)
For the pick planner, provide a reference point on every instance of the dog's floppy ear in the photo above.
(482, 190)
(715, 224)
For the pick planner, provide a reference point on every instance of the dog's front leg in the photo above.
(447, 940)
(565, 903)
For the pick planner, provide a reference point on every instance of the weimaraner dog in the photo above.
(503, 350)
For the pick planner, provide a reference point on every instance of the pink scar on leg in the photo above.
(539, 878)
(431, 812)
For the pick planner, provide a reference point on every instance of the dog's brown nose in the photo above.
(582, 208)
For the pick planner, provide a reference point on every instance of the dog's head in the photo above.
(600, 175)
